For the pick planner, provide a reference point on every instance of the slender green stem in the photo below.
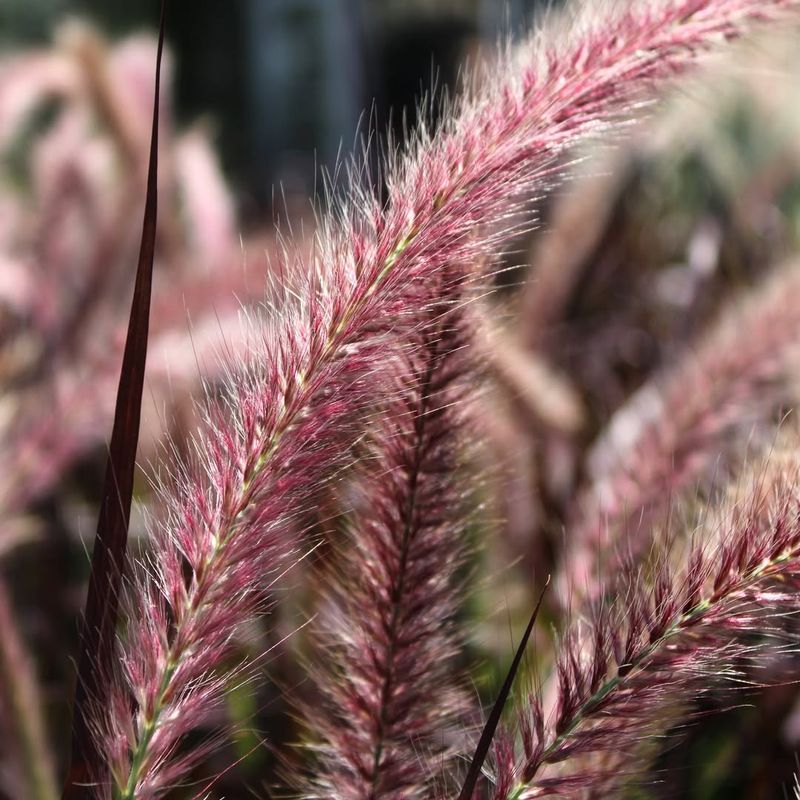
(140, 752)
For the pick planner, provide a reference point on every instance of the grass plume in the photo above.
(290, 417)
(662, 637)
(683, 429)
(393, 703)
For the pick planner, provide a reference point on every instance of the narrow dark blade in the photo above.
(96, 657)
(487, 735)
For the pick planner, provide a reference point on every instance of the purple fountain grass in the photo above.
(683, 428)
(393, 706)
(293, 416)
(647, 652)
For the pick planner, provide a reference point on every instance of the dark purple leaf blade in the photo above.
(108, 556)
(487, 734)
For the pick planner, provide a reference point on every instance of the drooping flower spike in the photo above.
(682, 429)
(291, 416)
(661, 637)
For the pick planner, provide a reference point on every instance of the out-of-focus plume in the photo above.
(683, 428)
(74, 151)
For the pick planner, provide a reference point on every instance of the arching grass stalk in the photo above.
(219, 540)
(289, 418)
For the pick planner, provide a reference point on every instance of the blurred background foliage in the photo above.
(286, 81)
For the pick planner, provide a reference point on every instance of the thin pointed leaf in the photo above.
(108, 556)
(487, 734)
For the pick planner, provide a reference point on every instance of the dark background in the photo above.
(286, 82)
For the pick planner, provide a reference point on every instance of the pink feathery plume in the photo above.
(681, 430)
(643, 656)
(392, 704)
(290, 418)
